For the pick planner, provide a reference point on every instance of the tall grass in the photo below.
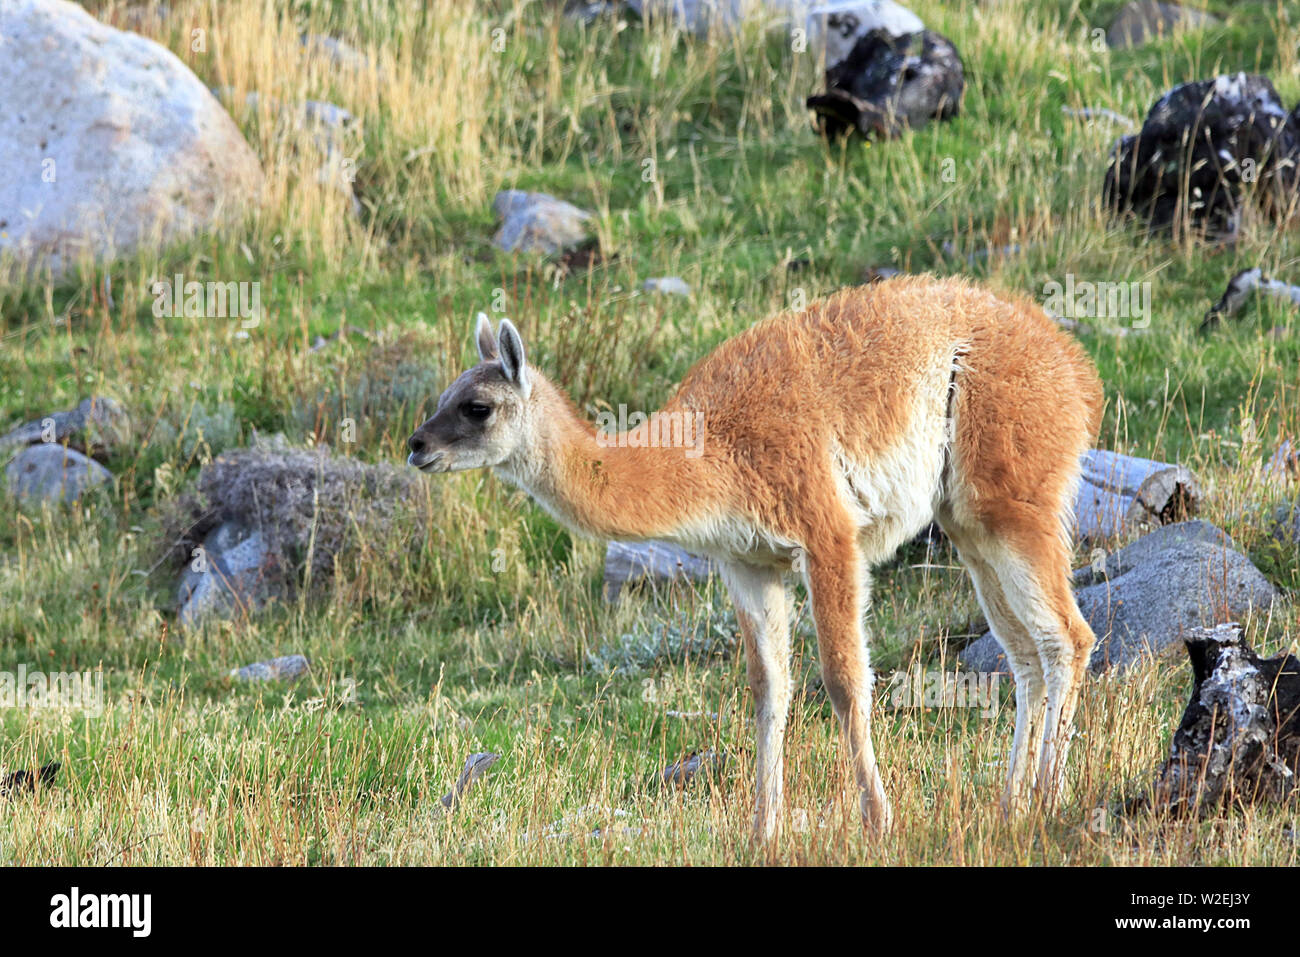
(698, 159)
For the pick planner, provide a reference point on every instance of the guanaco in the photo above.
(829, 436)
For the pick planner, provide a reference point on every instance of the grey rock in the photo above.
(49, 472)
(1143, 599)
(341, 55)
(828, 25)
(1145, 20)
(232, 573)
(1286, 524)
(256, 512)
(98, 424)
(476, 765)
(667, 285)
(537, 223)
(284, 668)
(656, 562)
(684, 772)
(1284, 463)
(108, 142)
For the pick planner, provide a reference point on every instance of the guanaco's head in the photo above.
(482, 418)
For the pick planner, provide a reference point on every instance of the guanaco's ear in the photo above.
(511, 348)
(487, 343)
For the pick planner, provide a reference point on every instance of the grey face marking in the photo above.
(474, 425)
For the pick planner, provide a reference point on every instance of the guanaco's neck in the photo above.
(648, 481)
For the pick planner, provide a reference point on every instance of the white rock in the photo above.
(838, 26)
(668, 285)
(107, 141)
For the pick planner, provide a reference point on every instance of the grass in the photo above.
(490, 633)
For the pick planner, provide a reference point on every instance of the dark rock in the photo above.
(25, 782)
(1204, 148)
(1145, 598)
(1239, 738)
(889, 83)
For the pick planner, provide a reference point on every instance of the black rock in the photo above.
(1239, 738)
(889, 83)
(1203, 149)
(24, 781)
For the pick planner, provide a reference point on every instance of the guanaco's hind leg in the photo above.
(837, 587)
(1022, 655)
(1033, 570)
(763, 612)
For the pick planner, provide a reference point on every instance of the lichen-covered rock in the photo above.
(837, 27)
(1239, 738)
(284, 668)
(889, 83)
(108, 142)
(268, 521)
(1204, 148)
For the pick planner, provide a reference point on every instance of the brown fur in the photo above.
(830, 436)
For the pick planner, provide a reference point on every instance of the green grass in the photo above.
(491, 635)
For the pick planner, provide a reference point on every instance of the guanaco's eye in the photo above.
(476, 411)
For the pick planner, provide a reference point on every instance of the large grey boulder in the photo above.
(48, 472)
(1143, 599)
(537, 223)
(108, 142)
(1145, 20)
